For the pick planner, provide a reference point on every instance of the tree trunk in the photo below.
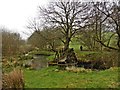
(100, 35)
(118, 42)
(119, 64)
(119, 58)
(66, 44)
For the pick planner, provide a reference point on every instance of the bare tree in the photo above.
(10, 43)
(47, 39)
(68, 16)
(111, 11)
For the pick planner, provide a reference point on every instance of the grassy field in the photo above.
(51, 77)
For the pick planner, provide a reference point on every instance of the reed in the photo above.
(14, 80)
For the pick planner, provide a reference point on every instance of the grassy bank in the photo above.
(53, 78)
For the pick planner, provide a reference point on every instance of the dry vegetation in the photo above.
(14, 79)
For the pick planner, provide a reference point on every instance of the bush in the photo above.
(106, 61)
(110, 59)
(24, 57)
(14, 80)
(99, 61)
(10, 43)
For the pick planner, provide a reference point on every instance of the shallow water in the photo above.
(39, 61)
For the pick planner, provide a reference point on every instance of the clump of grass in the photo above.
(75, 69)
(14, 80)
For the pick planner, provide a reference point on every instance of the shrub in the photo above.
(14, 80)
(75, 69)
(99, 61)
(106, 61)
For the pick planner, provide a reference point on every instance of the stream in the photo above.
(39, 61)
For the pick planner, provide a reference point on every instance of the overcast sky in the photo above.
(15, 14)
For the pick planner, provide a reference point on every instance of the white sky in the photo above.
(15, 14)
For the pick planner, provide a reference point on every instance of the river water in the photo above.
(39, 61)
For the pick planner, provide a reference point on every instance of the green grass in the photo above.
(51, 57)
(49, 78)
(42, 52)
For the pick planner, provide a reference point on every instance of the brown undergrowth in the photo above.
(14, 80)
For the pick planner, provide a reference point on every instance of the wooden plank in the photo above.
(67, 64)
